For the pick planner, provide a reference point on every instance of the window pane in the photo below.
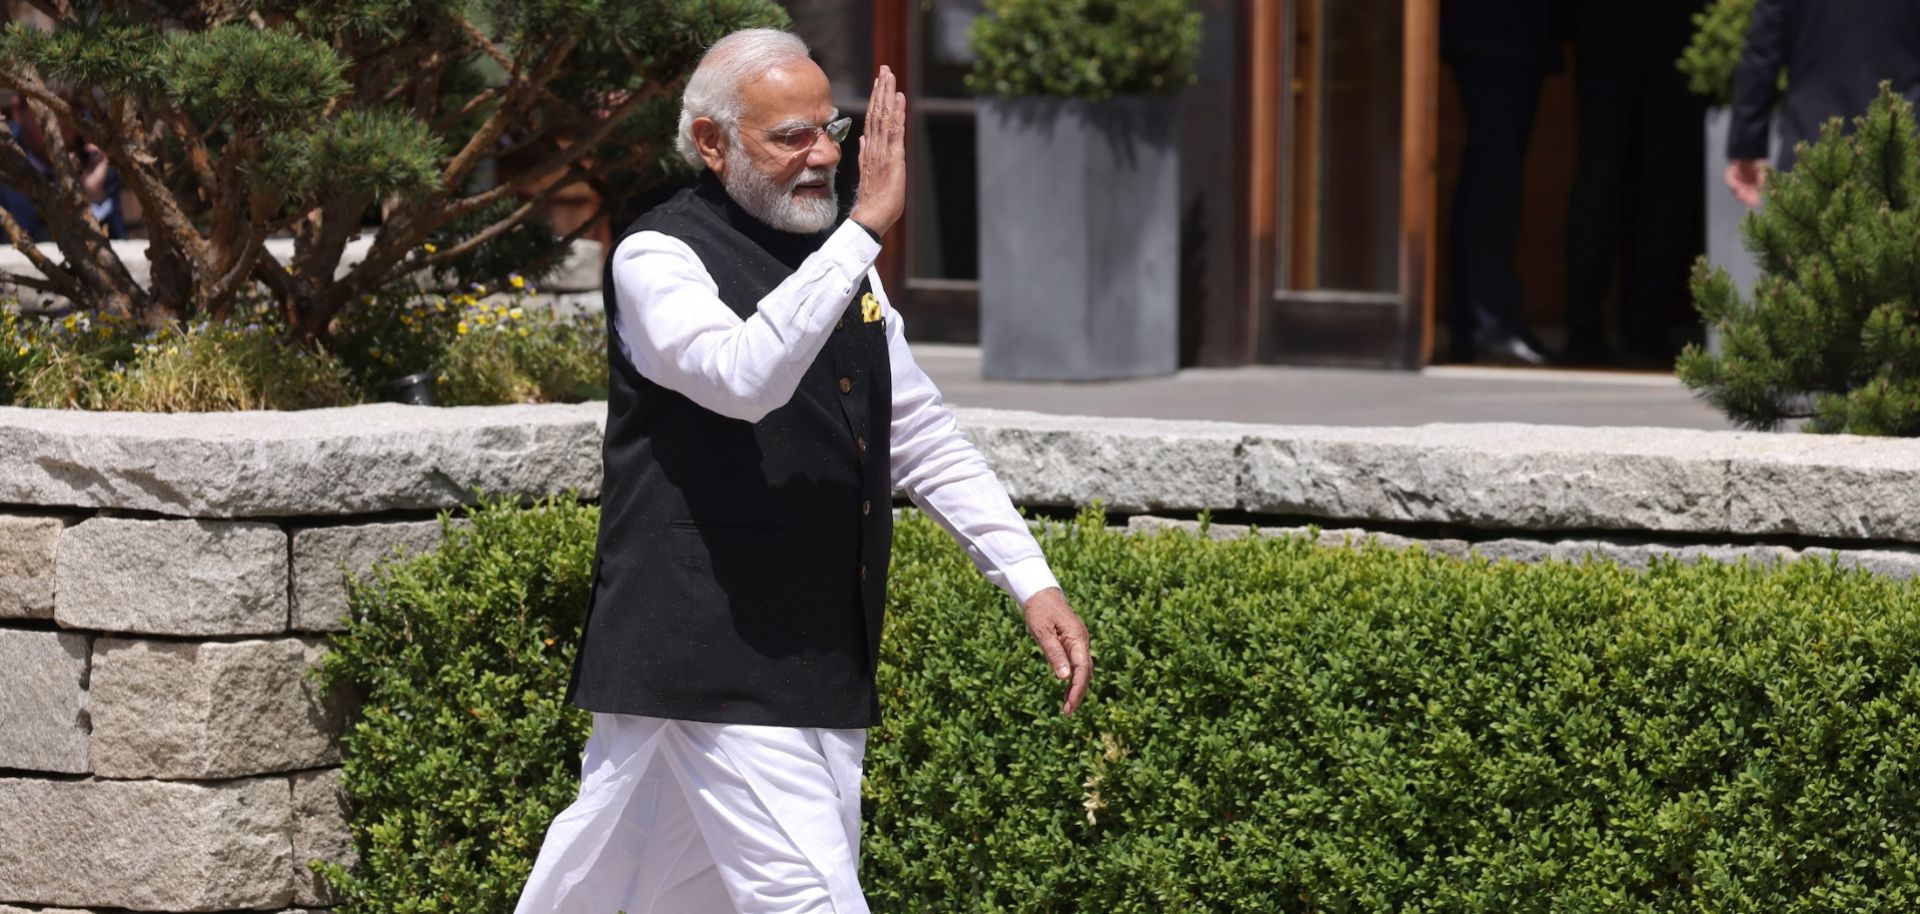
(1343, 207)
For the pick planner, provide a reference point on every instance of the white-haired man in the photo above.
(763, 406)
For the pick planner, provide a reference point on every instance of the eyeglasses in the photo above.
(801, 138)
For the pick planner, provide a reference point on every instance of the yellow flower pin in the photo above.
(869, 308)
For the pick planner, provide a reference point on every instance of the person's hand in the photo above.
(1745, 177)
(1063, 639)
(883, 158)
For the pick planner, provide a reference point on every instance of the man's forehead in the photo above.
(794, 90)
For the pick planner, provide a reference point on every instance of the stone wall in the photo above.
(166, 581)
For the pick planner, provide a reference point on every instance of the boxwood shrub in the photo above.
(1276, 726)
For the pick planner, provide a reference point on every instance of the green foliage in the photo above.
(463, 749)
(1710, 59)
(84, 361)
(1830, 331)
(118, 55)
(1093, 49)
(1274, 727)
(487, 346)
(235, 122)
(256, 77)
(374, 154)
(502, 353)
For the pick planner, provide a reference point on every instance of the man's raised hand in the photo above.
(1063, 639)
(883, 157)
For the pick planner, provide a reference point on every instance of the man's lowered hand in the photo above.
(1063, 639)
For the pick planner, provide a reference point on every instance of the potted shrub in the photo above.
(1079, 185)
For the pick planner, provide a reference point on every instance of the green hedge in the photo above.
(1093, 49)
(1274, 727)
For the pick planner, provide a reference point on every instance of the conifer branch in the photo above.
(57, 278)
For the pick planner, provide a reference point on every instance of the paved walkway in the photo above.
(1324, 396)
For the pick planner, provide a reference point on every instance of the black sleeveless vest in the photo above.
(741, 569)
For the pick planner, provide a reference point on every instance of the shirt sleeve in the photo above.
(947, 478)
(674, 329)
(1756, 83)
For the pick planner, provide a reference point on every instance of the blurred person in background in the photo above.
(1640, 146)
(1835, 55)
(1500, 52)
(99, 182)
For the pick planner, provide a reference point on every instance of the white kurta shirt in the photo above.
(675, 330)
(680, 817)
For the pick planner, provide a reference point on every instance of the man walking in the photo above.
(763, 406)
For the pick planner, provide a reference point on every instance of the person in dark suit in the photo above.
(1835, 55)
(1500, 52)
(1640, 146)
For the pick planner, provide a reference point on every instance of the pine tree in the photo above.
(233, 120)
(1832, 333)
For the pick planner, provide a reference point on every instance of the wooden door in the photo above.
(933, 255)
(1343, 131)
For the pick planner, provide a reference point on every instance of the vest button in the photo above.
(846, 385)
(866, 507)
(840, 324)
(863, 572)
(860, 443)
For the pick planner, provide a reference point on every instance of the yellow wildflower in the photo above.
(430, 247)
(516, 314)
(462, 328)
(519, 282)
(523, 331)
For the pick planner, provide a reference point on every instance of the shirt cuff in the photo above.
(1028, 577)
(852, 246)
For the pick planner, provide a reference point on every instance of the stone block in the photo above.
(317, 462)
(43, 701)
(173, 577)
(324, 557)
(580, 271)
(1638, 556)
(1127, 464)
(27, 549)
(319, 833)
(1894, 563)
(1149, 524)
(147, 845)
(1830, 486)
(1342, 538)
(182, 710)
(1499, 476)
(10, 909)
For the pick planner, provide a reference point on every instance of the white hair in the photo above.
(714, 89)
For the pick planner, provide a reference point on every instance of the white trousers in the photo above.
(680, 817)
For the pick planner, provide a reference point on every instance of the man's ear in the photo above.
(711, 139)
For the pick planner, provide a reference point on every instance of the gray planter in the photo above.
(1079, 238)
(1724, 213)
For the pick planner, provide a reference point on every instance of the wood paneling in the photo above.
(1419, 145)
(892, 41)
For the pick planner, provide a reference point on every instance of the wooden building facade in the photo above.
(1309, 151)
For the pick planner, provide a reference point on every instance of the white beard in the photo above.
(775, 205)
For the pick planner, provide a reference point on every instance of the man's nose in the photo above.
(824, 153)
